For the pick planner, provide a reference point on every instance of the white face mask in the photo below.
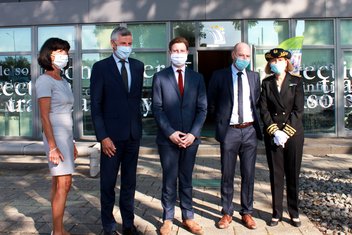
(123, 52)
(60, 61)
(178, 59)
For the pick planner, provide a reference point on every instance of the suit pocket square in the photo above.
(293, 84)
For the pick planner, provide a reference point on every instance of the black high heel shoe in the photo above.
(274, 222)
(296, 222)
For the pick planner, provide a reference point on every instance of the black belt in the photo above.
(242, 125)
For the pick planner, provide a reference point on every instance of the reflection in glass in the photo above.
(316, 32)
(219, 33)
(319, 88)
(346, 32)
(148, 35)
(260, 62)
(87, 63)
(267, 32)
(153, 62)
(186, 30)
(347, 79)
(96, 36)
(15, 96)
(64, 32)
(15, 39)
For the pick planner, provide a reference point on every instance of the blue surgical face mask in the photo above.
(278, 68)
(241, 64)
(123, 52)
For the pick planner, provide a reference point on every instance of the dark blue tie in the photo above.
(240, 97)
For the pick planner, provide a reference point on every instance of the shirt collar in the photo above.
(117, 59)
(235, 70)
(174, 68)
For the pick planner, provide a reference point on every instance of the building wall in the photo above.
(92, 11)
(326, 62)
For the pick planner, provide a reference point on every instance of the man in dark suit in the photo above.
(116, 89)
(233, 95)
(179, 107)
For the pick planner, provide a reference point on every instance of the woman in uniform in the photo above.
(281, 108)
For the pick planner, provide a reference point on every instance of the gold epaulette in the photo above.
(272, 128)
(289, 130)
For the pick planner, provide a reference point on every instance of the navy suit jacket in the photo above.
(116, 112)
(175, 113)
(220, 100)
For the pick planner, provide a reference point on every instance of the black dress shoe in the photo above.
(130, 231)
(110, 233)
(274, 222)
(296, 222)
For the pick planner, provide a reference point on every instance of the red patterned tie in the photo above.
(180, 81)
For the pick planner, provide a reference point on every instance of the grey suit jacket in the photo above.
(175, 113)
(220, 100)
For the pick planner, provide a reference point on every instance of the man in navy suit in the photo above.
(116, 90)
(179, 108)
(233, 96)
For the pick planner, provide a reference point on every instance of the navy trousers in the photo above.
(177, 164)
(242, 143)
(126, 156)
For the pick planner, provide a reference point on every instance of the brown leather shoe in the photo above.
(249, 221)
(166, 228)
(225, 221)
(192, 226)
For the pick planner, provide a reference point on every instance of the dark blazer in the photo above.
(174, 113)
(220, 100)
(283, 110)
(116, 112)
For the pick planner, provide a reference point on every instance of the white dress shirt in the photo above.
(127, 65)
(176, 74)
(247, 109)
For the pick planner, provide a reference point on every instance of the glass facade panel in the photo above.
(346, 32)
(15, 96)
(316, 32)
(96, 36)
(267, 32)
(153, 61)
(15, 39)
(219, 33)
(150, 46)
(67, 33)
(319, 87)
(347, 79)
(148, 35)
(87, 63)
(186, 30)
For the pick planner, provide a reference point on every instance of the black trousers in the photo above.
(284, 163)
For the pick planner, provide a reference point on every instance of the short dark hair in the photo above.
(178, 40)
(120, 31)
(50, 45)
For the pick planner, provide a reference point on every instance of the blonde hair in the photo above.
(289, 67)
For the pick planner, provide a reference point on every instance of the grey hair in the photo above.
(119, 31)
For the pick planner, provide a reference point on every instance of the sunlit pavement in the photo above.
(25, 185)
